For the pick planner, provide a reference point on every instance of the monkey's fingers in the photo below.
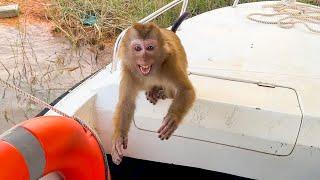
(167, 130)
(170, 132)
(160, 94)
(164, 124)
(166, 127)
(153, 101)
(125, 142)
(150, 97)
(147, 95)
(119, 148)
(154, 94)
(155, 97)
(116, 159)
(115, 156)
(163, 96)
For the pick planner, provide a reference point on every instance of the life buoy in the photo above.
(47, 144)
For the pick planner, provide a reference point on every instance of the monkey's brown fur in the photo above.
(168, 61)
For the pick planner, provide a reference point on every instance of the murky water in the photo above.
(41, 64)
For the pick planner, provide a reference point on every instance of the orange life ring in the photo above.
(47, 144)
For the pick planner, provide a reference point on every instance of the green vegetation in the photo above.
(74, 17)
(113, 16)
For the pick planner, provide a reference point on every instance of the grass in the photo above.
(113, 16)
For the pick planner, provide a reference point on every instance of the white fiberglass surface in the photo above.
(231, 113)
(235, 114)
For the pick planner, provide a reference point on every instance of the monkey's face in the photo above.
(146, 55)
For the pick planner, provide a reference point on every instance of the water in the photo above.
(41, 64)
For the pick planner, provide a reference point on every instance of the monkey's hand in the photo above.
(169, 125)
(119, 143)
(155, 94)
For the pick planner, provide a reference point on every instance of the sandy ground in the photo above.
(42, 64)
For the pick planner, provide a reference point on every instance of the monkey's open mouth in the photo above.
(145, 70)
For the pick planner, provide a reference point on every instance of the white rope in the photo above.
(290, 14)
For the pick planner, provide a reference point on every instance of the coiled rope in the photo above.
(289, 14)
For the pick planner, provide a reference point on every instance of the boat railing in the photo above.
(145, 20)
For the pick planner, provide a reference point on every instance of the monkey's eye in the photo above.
(137, 48)
(150, 48)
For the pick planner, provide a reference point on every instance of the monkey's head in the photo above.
(143, 49)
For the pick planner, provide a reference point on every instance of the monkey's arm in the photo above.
(123, 117)
(182, 102)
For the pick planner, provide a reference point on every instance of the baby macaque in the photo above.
(153, 60)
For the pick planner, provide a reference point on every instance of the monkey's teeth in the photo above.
(145, 69)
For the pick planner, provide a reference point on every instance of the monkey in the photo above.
(152, 60)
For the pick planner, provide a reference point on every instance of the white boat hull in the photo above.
(237, 126)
